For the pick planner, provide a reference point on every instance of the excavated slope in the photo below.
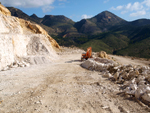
(23, 43)
(4, 10)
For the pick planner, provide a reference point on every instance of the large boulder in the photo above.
(103, 54)
(98, 64)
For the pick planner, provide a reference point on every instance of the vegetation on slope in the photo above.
(104, 31)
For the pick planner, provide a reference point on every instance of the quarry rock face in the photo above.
(23, 43)
(4, 10)
(38, 30)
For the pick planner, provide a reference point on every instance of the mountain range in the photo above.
(105, 31)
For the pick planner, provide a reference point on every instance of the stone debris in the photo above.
(135, 80)
(105, 107)
(122, 109)
(97, 64)
(15, 65)
(103, 54)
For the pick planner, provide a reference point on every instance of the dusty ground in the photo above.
(63, 87)
(130, 60)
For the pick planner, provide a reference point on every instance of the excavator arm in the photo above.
(87, 55)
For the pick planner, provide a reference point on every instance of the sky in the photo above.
(76, 10)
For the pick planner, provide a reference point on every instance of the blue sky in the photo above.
(79, 9)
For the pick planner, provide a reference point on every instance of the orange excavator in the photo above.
(87, 55)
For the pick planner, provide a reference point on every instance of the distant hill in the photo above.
(60, 23)
(18, 13)
(51, 20)
(87, 27)
(106, 20)
(140, 22)
(36, 18)
(105, 31)
(99, 23)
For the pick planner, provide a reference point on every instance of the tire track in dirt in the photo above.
(65, 87)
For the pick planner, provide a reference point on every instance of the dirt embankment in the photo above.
(62, 87)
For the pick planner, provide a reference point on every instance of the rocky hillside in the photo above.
(99, 23)
(54, 25)
(105, 31)
(23, 43)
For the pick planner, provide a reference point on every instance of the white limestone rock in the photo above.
(116, 76)
(107, 75)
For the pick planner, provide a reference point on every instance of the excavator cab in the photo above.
(87, 55)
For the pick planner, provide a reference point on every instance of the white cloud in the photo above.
(123, 12)
(146, 2)
(128, 6)
(118, 8)
(105, 1)
(135, 9)
(27, 3)
(136, 6)
(62, 0)
(86, 16)
(47, 9)
(112, 8)
(138, 13)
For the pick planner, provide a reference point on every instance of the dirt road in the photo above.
(62, 87)
(129, 60)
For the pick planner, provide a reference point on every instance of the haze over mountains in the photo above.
(105, 31)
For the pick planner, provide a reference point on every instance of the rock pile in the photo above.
(103, 54)
(16, 64)
(135, 80)
(98, 64)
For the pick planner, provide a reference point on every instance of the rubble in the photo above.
(135, 80)
(15, 65)
(97, 64)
